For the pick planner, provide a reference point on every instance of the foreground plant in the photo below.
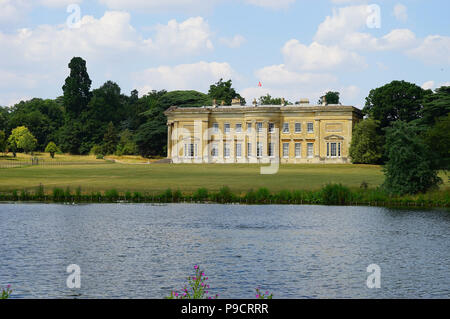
(260, 295)
(6, 293)
(198, 288)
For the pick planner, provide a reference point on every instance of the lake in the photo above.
(145, 251)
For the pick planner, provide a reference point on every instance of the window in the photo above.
(227, 128)
(298, 127)
(298, 150)
(215, 128)
(271, 127)
(285, 149)
(238, 150)
(333, 150)
(249, 149)
(239, 128)
(190, 150)
(214, 150)
(285, 127)
(259, 149)
(271, 148)
(310, 150)
(259, 127)
(249, 128)
(226, 150)
(310, 127)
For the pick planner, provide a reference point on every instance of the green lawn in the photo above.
(187, 177)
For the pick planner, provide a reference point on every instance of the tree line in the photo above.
(407, 129)
(101, 121)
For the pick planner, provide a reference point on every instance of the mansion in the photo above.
(300, 133)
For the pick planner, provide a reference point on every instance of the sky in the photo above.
(294, 48)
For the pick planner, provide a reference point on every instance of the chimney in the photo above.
(236, 102)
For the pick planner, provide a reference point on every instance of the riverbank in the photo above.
(332, 194)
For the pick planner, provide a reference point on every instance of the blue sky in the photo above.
(295, 48)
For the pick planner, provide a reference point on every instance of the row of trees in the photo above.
(104, 120)
(407, 129)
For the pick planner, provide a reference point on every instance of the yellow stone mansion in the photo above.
(301, 133)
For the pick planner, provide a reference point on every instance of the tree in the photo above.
(126, 145)
(396, 101)
(52, 149)
(367, 145)
(77, 88)
(2, 141)
(438, 140)
(42, 117)
(409, 169)
(436, 105)
(110, 140)
(269, 100)
(22, 139)
(330, 98)
(222, 91)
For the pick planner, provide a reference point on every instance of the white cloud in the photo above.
(319, 57)
(196, 76)
(190, 36)
(13, 10)
(429, 85)
(273, 4)
(434, 49)
(401, 12)
(111, 35)
(234, 42)
(186, 5)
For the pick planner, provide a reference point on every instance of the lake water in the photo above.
(145, 251)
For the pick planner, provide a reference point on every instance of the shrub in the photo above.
(201, 195)
(58, 194)
(263, 195)
(336, 194)
(112, 195)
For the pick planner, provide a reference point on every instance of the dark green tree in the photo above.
(42, 117)
(437, 138)
(223, 91)
(126, 144)
(409, 169)
(435, 106)
(396, 101)
(331, 98)
(3, 142)
(367, 145)
(77, 88)
(110, 140)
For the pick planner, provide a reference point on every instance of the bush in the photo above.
(58, 194)
(336, 194)
(201, 195)
(112, 195)
(96, 150)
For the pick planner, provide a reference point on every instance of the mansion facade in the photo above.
(261, 134)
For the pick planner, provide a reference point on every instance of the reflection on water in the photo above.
(145, 251)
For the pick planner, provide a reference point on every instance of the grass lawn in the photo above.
(154, 178)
